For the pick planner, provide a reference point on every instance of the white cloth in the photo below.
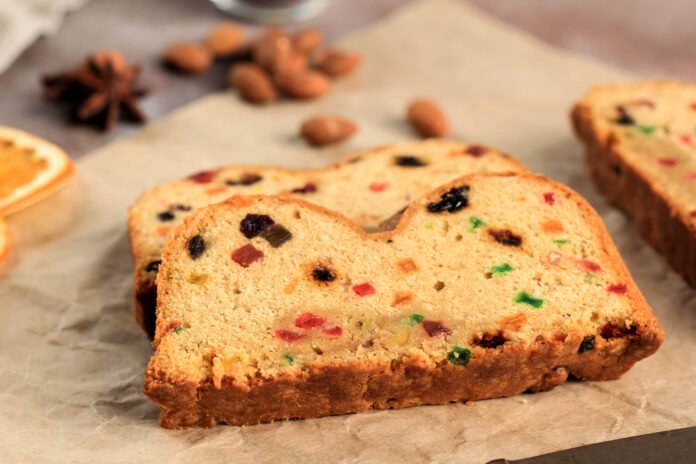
(23, 21)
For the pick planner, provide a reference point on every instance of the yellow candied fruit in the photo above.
(196, 278)
(402, 336)
(18, 167)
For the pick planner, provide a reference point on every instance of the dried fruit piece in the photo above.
(246, 255)
(549, 198)
(416, 318)
(276, 235)
(165, 216)
(323, 274)
(188, 57)
(451, 201)
(526, 298)
(225, 39)
(618, 289)
(196, 246)
(309, 321)
(288, 336)
(505, 237)
(304, 85)
(252, 82)
(364, 289)
(476, 151)
(307, 40)
(407, 266)
(587, 344)
(490, 339)
(475, 223)
(378, 186)
(309, 187)
(402, 298)
(427, 119)
(246, 179)
(289, 359)
(668, 162)
(326, 130)
(624, 118)
(588, 266)
(611, 330)
(153, 266)
(337, 63)
(336, 331)
(552, 226)
(647, 130)
(501, 269)
(435, 328)
(459, 356)
(253, 224)
(409, 161)
(204, 177)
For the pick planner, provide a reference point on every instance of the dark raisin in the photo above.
(409, 161)
(180, 207)
(435, 328)
(616, 169)
(196, 246)
(246, 255)
(611, 330)
(451, 201)
(309, 187)
(587, 344)
(476, 150)
(323, 274)
(624, 118)
(505, 237)
(490, 339)
(276, 235)
(153, 266)
(253, 224)
(165, 216)
(245, 180)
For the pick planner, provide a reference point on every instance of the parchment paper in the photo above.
(72, 359)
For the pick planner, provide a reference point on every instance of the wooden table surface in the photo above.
(649, 37)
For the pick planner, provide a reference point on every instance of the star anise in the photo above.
(101, 90)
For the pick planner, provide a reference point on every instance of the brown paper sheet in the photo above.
(72, 359)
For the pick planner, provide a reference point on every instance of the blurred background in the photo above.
(646, 37)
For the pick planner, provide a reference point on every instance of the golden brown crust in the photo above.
(656, 216)
(323, 389)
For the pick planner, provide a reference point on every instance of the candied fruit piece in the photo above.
(204, 177)
(246, 179)
(288, 336)
(526, 298)
(561, 242)
(309, 321)
(378, 186)
(402, 336)
(289, 359)
(475, 223)
(459, 356)
(364, 289)
(667, 162)
(588, 344)
(335, 331)
(624, 118)
(309, 187)
(196, 246)
(402, 298)
(589, 266)
(451, 201)
(153, 266)
(514, 322)
(180, 207)
(476, 150)
(552, 226)
(549, 198)
(246, 255)
(409, 161)
(253, 224)
(323, 274)
(618, 289)
(501, 269)
(685, 139)
(276, 235)
(407, 266)
(505, 237)
(165, 216)
(416, 318)
(435, 328)
(163, 231)
(647, 130)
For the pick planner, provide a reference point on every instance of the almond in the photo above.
(271, 48)
(307, 40)
(326, 130)
(306, 84)
(292, 63)
(253, 83)
(336, 63)
(188, 57)
(427, 118)
(225, 39)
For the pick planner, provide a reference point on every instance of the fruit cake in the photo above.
(640, 142)
(367, 187)
(495, 284)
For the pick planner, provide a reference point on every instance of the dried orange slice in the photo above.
(4, 240)
(31, 168)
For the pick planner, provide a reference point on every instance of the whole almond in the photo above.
(188, 57)
(292, 63)
(225, 39)
(307, 40)
(336, 63)
(304, 85)
(271, 48)
(252, 82)
(326, 130)
(427, 118)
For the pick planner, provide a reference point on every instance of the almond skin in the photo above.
(254, 84)
(225, 39)
(272, 47)
(336, 63)
(326, 130)
(427, 118)
(304, 85)
(292, 63)
(188, 57)
(307, 40)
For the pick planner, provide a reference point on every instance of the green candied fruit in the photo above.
(475, 223)
(647, 130)
(289, 359)
(429, 226)
(526, 298)
(501, 269)
(459, 356)
(589, 277)
(561, 242)
(178, 330)
(416, 318)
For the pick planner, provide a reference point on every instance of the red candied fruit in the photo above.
(336, 331)
(589, 266)
(246, 255)
(172, 325)
(204, 177)
(309, 321)
(618, 289)
(435, 328)
(364, 289)
(693, 106)
(691, 176)
(668, 162)
(475, 150)
(288, 336)
(549, 198)
(693, 213)
(685, 138)
(379, 186)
